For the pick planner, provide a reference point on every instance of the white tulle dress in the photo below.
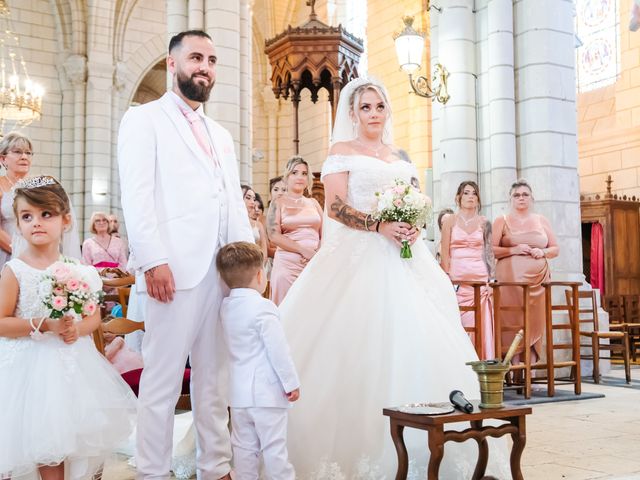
(368, 330)
(58, 402)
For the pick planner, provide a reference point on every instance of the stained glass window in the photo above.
(598, 29)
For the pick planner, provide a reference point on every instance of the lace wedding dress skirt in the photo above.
(368, 330)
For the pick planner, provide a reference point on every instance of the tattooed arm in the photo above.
(274, 232)
(487, 254)
(335, 187)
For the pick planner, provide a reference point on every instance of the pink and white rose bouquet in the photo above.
(403, 202)
(70, 288)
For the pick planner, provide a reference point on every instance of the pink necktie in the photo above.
(198, 129)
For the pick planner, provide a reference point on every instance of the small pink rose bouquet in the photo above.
(403, 202)
(68, 288)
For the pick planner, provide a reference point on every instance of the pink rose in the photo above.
(73, 285)
(398, 190)
(84, 287)
(89, 308)
(61, 272)
(397, 202)
(59, 303)
(58, 291)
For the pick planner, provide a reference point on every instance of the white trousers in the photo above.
(187, 327)
(257, 431)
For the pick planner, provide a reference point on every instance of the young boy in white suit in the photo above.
(263, 378)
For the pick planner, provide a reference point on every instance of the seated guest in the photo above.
(259, 233)
(114, 224)
(467, 256)
(523, 241)
(294, 223)
(123, 358)
(103, 249)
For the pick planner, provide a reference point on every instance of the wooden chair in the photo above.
(589, 317)
(632, 322)
(123, 290)
(573, 344)
(525, 367)
(123, 326)
(476, 308)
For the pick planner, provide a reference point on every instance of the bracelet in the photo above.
(36, 334)
(378, 226)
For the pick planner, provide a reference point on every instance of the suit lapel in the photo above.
(182, 125)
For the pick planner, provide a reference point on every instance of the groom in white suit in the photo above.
(182, 202)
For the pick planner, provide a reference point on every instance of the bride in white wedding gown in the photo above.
(368, 329)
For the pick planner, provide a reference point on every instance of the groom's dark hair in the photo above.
(238, 263)
(176, 40)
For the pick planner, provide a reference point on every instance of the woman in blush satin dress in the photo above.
(294, 223)
(467, 256)
(259, 235)
(523, 241)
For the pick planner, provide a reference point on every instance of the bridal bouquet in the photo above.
(403, 203)
(67, 288)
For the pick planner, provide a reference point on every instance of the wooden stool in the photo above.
(476, 308)
(498, 329)
(434, 425)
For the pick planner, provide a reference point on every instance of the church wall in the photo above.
(609, 124)
(34, 23)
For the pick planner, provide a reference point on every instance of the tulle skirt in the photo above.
(368, 330)
(59, 403)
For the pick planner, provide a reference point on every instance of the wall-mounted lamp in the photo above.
(409, 47)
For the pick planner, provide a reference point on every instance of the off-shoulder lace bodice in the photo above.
(367, 175)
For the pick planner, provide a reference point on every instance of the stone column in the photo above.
(546, 118)
(75, 67)
(436, 113)
(177, 21)
(245, 155)
(457, 156)
(501, 97)
(222, 22)
(196, 15)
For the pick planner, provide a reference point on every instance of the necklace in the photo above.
(295, 199)
(465, 221)
(376, 151)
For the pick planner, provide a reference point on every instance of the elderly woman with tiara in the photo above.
(367, 328)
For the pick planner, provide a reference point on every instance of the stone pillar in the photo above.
(222, 22)
(457, 156)
(196, 15)
(245, 155)
(546, 119)
(436, 120)
(177, 21)
(501, 97)
(76, 70)
(98, 140)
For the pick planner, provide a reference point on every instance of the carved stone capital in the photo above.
(75, 67)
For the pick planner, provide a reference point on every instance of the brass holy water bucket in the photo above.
(491, 376)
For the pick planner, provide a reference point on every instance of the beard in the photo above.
(192, 90)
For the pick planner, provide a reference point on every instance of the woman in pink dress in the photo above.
(467, 256)
(523, 241)
(103, 249)
(293, 223)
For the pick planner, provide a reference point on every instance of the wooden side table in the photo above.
(434, 425)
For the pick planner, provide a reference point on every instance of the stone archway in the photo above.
(152, 86)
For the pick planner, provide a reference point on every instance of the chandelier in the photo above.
(20, 97)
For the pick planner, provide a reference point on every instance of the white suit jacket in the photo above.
(262, 370)
(170, 208)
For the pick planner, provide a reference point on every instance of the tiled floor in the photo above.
(579, 440)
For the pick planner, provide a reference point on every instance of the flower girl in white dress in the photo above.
(64, 407)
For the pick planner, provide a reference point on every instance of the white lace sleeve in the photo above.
(335, 164)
